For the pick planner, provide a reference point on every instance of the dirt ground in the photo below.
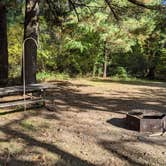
(84, 126)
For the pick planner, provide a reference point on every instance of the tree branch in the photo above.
(111, 8)
(141, 4)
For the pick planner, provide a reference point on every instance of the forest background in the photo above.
(92, 42)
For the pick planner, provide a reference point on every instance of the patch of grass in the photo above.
(134, 79)
(28, 125)
(51, 76)
(116, 78)
(129, 80)
(44, 125)
(11, 147)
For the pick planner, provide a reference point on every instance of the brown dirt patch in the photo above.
(85, 126)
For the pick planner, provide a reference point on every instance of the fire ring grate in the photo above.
(146, 122)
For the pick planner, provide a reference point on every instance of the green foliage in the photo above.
(48, 76)
(15, 33)
(161, 67)
(134, 43)
(120, 72)
(28, 125)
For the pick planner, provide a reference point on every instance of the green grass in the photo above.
(134, 79)
(130, 80)
(51, 76)
(116, 78)
(28, 125)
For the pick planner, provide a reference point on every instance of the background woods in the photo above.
(103, 38)
(93, 102)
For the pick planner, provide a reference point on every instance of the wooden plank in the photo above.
(15, 98)
(14, 90)
(19, 103)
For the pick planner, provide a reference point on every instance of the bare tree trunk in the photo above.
(151, 73)
(105, 61)
(3, 45)
(94, 70)
(31, 27)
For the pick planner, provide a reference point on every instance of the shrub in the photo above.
(50, 76)
(121, 72)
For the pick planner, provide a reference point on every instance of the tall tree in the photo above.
(3, 44)
(31, 26)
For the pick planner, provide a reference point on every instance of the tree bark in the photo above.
(105, 61)
(31, 26)
(94, 70)
(151, 73)
(3, 45)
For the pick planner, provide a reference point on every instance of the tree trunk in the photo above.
(105, 61)
(151, 73)
(94, 70)
(3, 45)
(31, 27)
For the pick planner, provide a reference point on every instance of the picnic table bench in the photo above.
(35, 94)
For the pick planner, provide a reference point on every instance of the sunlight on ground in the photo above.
(85, 126)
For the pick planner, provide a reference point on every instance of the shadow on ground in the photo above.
(126, 150)
(13, 159)
(63, 97)
(118, 122)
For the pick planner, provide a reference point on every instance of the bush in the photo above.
(161, 67)
(50, 76)
(121, 72)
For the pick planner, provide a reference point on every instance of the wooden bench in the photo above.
(20, 103)
(15, 90)
(35, 94)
